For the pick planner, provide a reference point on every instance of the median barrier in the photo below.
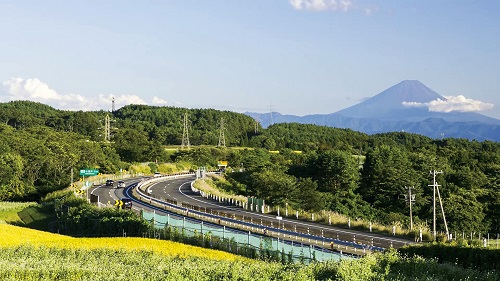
(239, 222)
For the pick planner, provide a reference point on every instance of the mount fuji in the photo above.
(402, 107)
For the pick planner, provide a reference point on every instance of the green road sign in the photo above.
(89, 172)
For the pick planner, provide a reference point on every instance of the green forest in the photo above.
(306, 167)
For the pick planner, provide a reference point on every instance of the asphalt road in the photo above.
(108, 194)
(178, 191)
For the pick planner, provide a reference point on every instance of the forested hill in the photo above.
(311, 167)
(164, 125)
(27, 114)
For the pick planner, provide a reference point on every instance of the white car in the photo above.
(121, 184)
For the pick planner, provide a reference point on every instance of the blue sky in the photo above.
(292, 56)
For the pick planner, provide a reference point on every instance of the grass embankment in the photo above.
(29, 214)
(221, 187)
(207, 185)
(9, 211)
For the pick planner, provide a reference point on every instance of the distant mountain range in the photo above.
(389, 112)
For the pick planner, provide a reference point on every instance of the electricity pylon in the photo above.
(107, 128)
(256, 118)
(185, 133)
(222, 138)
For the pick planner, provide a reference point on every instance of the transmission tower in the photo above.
(185, 133)
(107, 128)
(222, 138)
(256, 118)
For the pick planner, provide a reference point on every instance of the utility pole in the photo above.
(222, 138)
(410, 198)
(185, 133)
(436, 188)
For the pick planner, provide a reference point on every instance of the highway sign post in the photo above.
(89, 172)
(222, 164)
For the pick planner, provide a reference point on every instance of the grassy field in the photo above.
(13, 236)
(28, 254)
(9, 211)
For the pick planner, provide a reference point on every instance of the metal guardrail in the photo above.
(264, 228)
(260, 243)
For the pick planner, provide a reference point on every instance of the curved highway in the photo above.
(177, 191)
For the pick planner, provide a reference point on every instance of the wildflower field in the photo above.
(19, 236)
(27, 254)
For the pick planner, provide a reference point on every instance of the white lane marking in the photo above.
(293, 222)
(92, 192)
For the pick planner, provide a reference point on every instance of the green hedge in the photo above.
(483, 259)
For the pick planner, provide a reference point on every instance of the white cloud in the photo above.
(371, 10)
(121, 100)
(35, 90)
(322, 5)
(452, 103)
(30, 88)
(159, 101)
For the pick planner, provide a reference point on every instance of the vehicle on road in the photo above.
(127, 203)
(121, 184)
(110, 182)
(157, 174)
